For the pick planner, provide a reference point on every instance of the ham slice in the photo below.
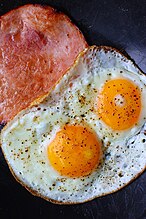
(37, 46)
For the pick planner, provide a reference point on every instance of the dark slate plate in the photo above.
(117, 23)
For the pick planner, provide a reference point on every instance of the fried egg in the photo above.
(87, 138)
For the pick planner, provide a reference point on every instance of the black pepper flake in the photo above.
(120, 175)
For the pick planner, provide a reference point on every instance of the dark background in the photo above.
(117, 23)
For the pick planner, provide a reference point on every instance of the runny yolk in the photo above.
(119, 104)
(75, 151)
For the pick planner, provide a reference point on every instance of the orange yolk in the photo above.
(74, 152)
(119, 104)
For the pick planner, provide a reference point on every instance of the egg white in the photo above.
(73, 100)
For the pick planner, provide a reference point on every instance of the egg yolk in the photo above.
(75, 151)
(119, 104)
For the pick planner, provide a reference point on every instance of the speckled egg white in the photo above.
(75, 101)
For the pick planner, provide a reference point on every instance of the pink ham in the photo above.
(37, 46)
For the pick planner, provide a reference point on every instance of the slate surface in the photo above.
(117, 23)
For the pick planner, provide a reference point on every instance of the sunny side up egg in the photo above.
(87, 138)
